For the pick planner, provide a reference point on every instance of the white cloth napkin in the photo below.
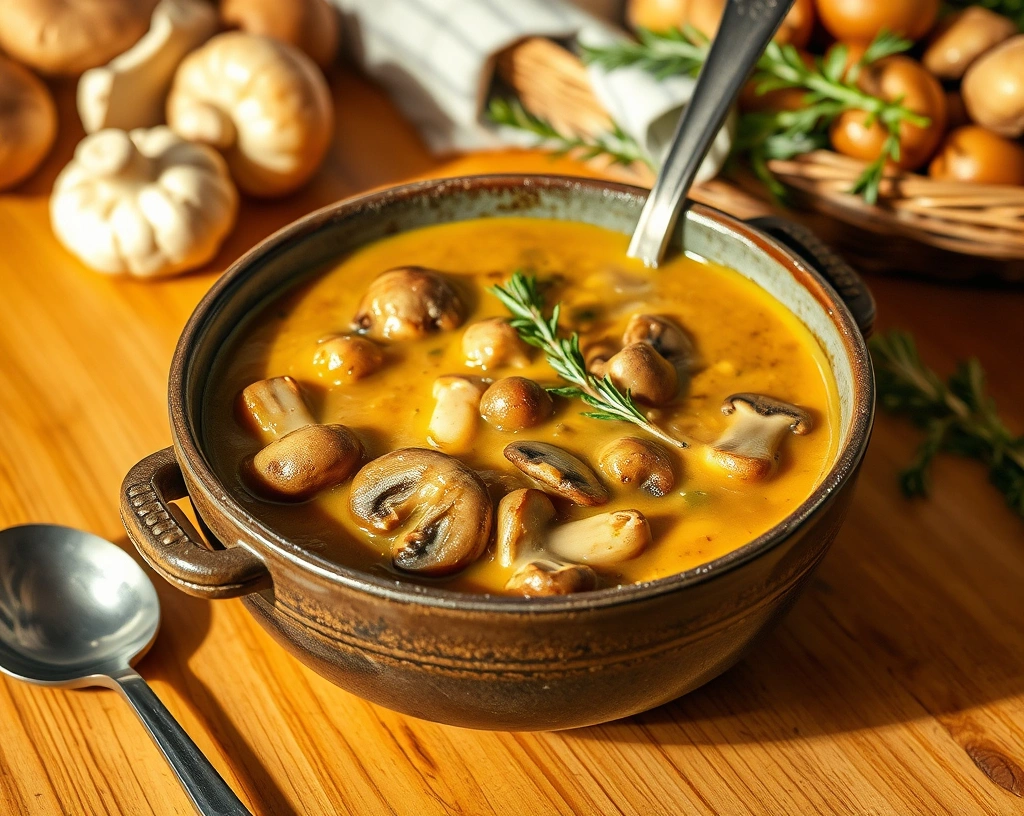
(436, 59)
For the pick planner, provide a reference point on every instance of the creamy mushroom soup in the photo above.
(387, 415)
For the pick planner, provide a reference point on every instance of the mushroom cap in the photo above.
(769, 406)
(28, 122)
(408, 303)
(515, 403)
(310, 25)
(439, 507)
(543, 578)
(263, 103)
(662, 333)
(642, 371)
(558, 471)
(639, 463)
(493, 343)
(341, 358)
(71, 36)
(302, 463)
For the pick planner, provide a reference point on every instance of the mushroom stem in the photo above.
(456, 414)
(274, 407)
(601, 540)
(522, 517)
(748, 449)
(544, 578)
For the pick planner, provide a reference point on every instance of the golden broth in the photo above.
(745, 340)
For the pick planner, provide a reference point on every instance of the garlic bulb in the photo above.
(143, 202)
(262, 103)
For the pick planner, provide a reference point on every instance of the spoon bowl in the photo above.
(74, 609)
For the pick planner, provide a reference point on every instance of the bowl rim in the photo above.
(193, 461)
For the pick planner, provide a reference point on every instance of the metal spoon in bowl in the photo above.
(75, 611)
(746, 29)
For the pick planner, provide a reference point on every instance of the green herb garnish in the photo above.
(957, 417)
(521, 297)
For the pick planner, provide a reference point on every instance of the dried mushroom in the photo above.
(515, 403)
(493, 343)
(456, 413)
(639, 463)
(601, 540)
(546, 578)
(748, 449)
(437, 509)
(558, 471)
(408, 303)
(300, 457)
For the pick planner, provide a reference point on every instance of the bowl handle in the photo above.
(826, 262)
(169, 548)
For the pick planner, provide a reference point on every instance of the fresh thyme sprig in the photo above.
(522, 298)
(617, 145)
(831, 89)
(957, 417)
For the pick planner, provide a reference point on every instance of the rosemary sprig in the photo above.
(831, 90)
(522, 298)
(1014, 9)
(957, 417)
(617, 146)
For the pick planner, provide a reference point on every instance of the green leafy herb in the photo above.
(831, 90)
(1014, 9)
(957, 417)
(617, 146)
(522, 298)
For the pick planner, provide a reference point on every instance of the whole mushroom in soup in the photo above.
(523, 516)
(437, 510)
(408, 303)
(545, 578)
(515, 403)
(748, 449)
(642, 371)
(661, 333)
(300, 458)
(493, 343)
(558, 471)
(342, 359)
(638, 463)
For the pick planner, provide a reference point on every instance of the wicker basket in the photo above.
(950, 230)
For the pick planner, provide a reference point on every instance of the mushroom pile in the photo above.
(255, 95)
(553, 519)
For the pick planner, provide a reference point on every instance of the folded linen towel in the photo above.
(436, 59)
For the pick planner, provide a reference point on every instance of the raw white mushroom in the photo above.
(144, 202)
(130, 91)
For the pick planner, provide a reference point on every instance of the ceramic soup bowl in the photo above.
(483, 661)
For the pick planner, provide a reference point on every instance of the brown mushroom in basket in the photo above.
(639, 463)
(437, 509)
(558, 471)
(300, 457)
(341, 359)
(456, 412)
(544, 578)
(408, 303)
(493, 343)
(515, 403)
(601, 540)
(642, 371)
(748, 449)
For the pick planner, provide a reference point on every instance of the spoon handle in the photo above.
(746, 29)
(208, 791)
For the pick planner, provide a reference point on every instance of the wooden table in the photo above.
(896, 684)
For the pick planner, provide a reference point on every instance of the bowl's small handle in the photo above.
(831, 266)
(173, 551)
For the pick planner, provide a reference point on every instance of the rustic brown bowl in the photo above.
(476, 660)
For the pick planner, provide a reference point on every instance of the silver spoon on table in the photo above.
(746, 29)
(76, 611)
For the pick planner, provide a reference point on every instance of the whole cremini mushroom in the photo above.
(264, 104)
(300, 458)
(145, 202)
(748, 449)
(71, 36)
(648, 376)
(515, 403)
(408, 303)
(309, 25)
(435, 509)
(523, 516)
(456, 414)
(638, 463)
(28, 123)
(493, 343)
(544, 578)
(993, 89)
(979, 156)
(341, 359)
(662, 333)
(962, 38)
(131, 90)
(558, 471)
(601, 540)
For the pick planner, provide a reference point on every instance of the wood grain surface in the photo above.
(895, 685)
